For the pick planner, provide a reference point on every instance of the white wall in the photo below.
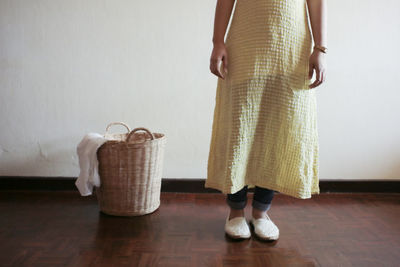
(70, 67)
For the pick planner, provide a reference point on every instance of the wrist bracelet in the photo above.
(321, 48)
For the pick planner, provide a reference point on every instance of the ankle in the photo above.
(257, 214)
(236, 213)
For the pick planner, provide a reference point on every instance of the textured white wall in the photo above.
(70, 67)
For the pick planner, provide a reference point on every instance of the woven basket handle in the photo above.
(117, 123)
(137, 129)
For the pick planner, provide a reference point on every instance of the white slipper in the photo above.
(265, 228)
(237, 228)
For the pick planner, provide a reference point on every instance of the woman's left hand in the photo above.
(317, 63)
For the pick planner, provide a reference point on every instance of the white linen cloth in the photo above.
(88, 163)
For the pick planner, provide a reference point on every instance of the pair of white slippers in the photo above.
(264, 228)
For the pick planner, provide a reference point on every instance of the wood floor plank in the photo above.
(330, 229)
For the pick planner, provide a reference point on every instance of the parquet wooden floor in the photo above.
(65, 229)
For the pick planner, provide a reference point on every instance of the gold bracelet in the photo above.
(323, 49)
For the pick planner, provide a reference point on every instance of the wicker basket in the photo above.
(130, 168)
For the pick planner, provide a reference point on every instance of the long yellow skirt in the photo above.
(264, 130)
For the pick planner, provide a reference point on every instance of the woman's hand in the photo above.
(317, 62)
(219, 55)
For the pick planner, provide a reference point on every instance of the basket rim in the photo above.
(159, 139)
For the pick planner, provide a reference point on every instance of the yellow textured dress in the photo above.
(264, 129)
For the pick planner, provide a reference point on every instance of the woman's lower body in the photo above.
(264, 132)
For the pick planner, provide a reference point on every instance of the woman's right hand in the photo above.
(219, 55)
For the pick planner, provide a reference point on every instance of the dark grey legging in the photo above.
(261, 200)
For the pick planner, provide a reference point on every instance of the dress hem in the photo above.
(281, 189)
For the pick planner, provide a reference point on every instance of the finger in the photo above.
(220, 64)
(318, 74)
(314, 84)
(225, 61)
(310, 71)
(214, 67)
(317, 77)
(215, 72)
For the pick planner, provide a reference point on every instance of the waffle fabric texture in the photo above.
(264, 129)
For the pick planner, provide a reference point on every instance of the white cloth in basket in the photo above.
(88, 163)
